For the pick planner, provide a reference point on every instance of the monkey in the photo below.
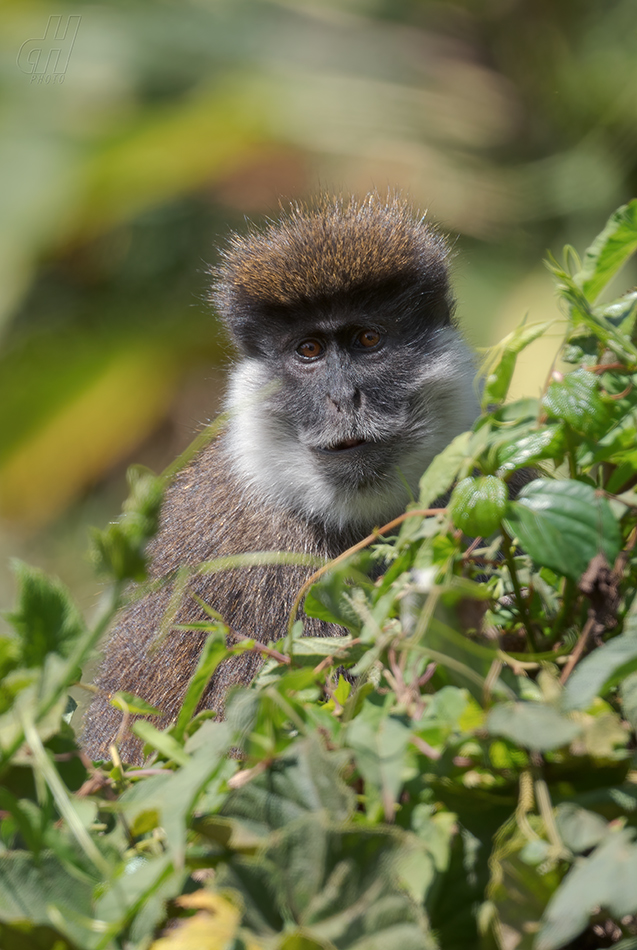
(351, 375)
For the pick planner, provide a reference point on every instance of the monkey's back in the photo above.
(207, 514)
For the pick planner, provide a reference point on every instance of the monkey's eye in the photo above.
(368, 339)
(309, 349)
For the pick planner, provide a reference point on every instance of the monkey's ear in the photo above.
(254, 327)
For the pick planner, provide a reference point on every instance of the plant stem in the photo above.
(519, 597)
(570, 590)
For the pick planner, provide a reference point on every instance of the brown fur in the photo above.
(331, 247)
(205, 516)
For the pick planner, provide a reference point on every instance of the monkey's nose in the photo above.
(345, 400)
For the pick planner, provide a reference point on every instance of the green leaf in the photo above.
(520, 892)
(497, 383)
(133, 705)
(380, 741)
(576, 400)
(596, 673)
(119, 550)
(213, 652)
(564, 525)
(443, 471)
(342, 886)
(127, 895)
(465, 662)
(477, 505)
(327, 599)
(545, 443)
(173, 794)
(36, 695)
(583, 314)
(313, 647)
(169, 747)
(46, 618)
(606, 879)
(579, 829)
(622, 312)
(342, 690)
(301, 941)
(533, 726)
(610, 249)
(27, 818)
(307, 779)
(628, 696)
(28, 888)
(10, 655)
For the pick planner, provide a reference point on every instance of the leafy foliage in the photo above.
(473, 784)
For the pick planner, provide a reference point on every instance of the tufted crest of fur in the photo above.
(333, 247)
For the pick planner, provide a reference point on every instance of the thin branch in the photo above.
(376, 533)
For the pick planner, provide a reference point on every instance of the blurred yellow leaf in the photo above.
(211, 928)
(171, 152)
(74, 447)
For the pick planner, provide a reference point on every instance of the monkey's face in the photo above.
(348, 408)
(347, 396)
(352, 377)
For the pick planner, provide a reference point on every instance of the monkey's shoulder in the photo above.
(209, 512)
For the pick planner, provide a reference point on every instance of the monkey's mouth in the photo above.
(345, 445)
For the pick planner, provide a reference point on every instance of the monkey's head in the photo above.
(351, 376)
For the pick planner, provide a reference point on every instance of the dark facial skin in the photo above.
(348, 386)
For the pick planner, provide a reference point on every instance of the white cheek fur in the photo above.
(277, 469)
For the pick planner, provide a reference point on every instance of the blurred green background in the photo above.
(128, 155)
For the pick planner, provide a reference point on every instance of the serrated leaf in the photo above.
(534, 726)
(466, 663)
(610, 249)
(9, 655)
(606, 879)
(119, 550)
(564, 525)
(173, 794)
(319, 646)
(545, 443)
(118, 904)
(599, 671)
(342, 690)
(339, 886)
(622, 312)
(46, 618)
(521, 892)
